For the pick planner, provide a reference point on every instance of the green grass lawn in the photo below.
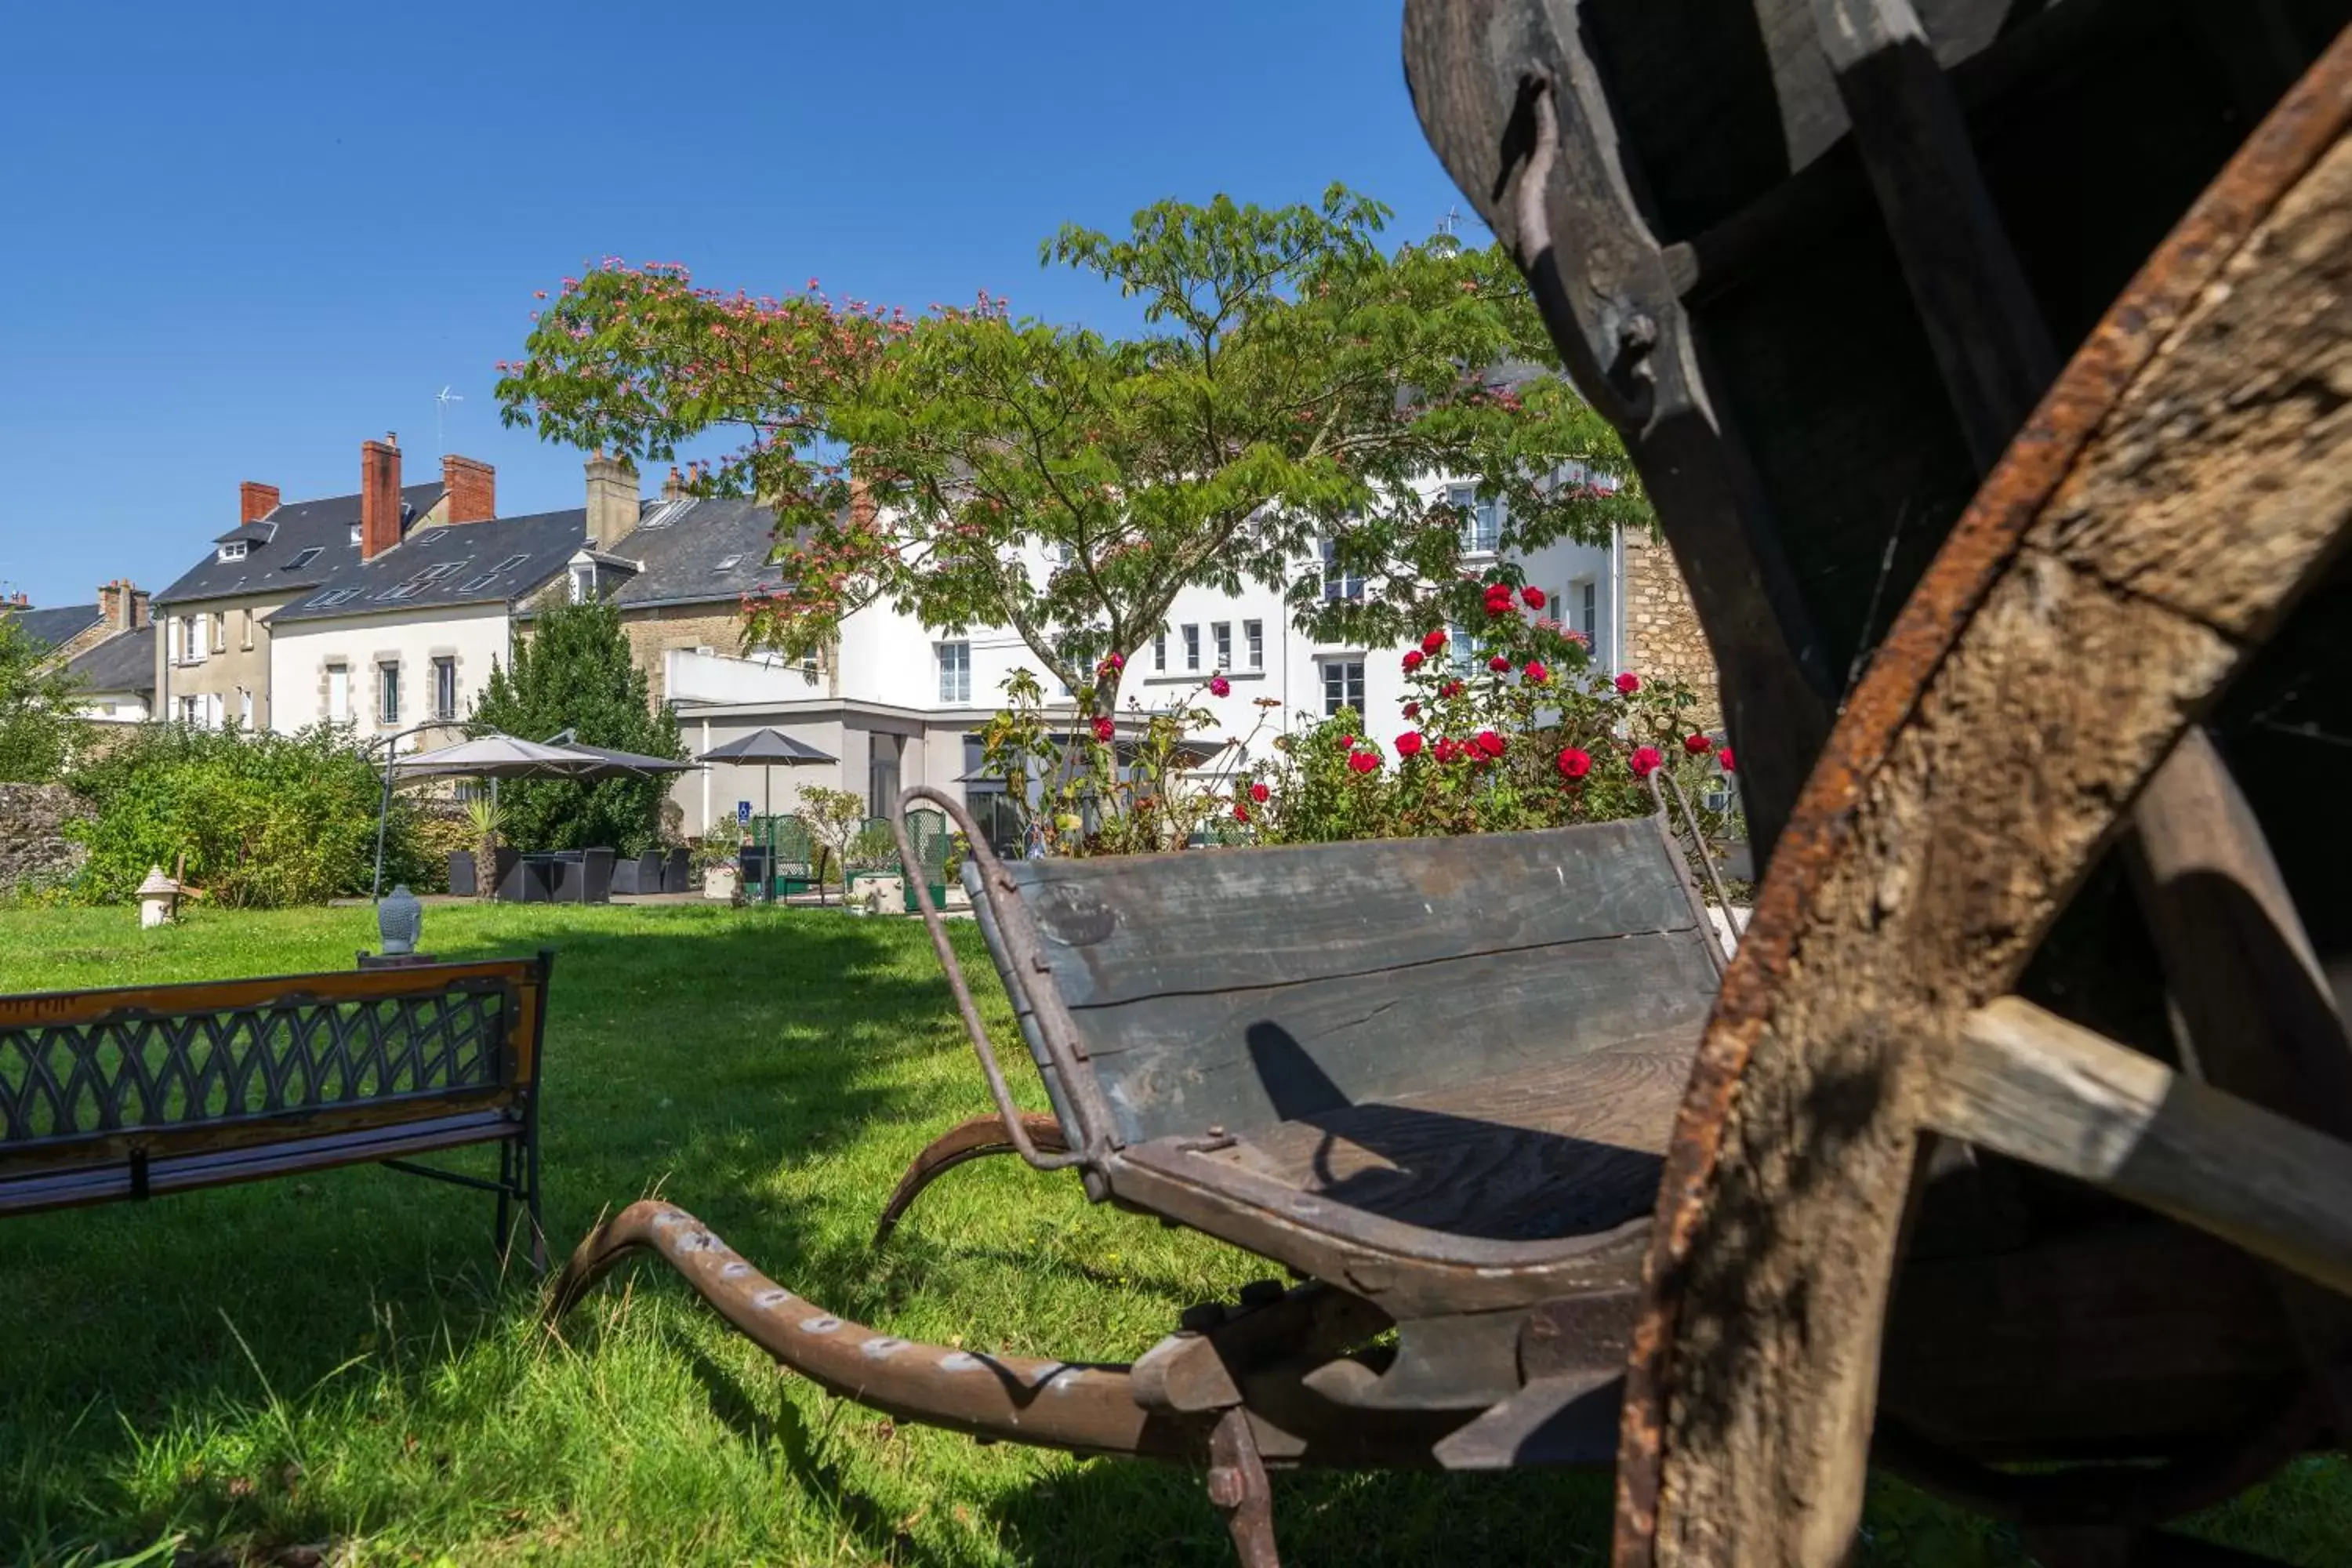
(335, 1361)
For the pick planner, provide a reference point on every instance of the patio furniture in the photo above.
(463, 882)
(137, 1091)
(794, 848)
(756, 864)
(640, 875)
(678, 872)
(766, 750)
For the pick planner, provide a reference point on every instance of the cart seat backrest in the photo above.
(1239, 988)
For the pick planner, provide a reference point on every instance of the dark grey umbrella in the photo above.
(765, 749)
(628, 762)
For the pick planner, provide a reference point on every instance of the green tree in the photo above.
(37, 719)
(1291, 387)
(574, 672)
(835, 817)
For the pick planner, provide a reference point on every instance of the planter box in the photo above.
(720, 882)
(462, 881)
(887, 890)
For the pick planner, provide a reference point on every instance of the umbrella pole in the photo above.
(767, 804)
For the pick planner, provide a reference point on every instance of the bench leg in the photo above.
(501, 1237)
(531, 1191)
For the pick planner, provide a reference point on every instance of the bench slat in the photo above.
(1123, 929)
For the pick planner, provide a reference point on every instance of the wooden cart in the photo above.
(2010, 1151)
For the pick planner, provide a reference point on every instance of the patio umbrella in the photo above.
(633, 762)
(765, 749)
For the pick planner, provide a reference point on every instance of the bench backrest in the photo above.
(1238, 988)
(193, 1068)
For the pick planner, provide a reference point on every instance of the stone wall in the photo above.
(1662, 636)
(33, 850)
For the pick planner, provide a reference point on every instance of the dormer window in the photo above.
(355, 533)
(232, 550)
(583, 583)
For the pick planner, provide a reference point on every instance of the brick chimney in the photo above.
(255, 500)
(123, 607)
(379, 496)
(674, 486)
(17, 601)
(472, 490)
(613, 501)
(861, 501)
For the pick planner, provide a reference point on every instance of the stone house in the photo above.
(213, 660)
(99, 645)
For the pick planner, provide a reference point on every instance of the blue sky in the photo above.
(245, 238)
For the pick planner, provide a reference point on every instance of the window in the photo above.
(478, 583)
(338, 693)
(434, 573)
(355, 533)
(1253, 635)
(1192, 648)
(728, 565)
(232, 550)
(405, 591)
(955, 671)
(190, 710)
(220, 631)
(1339, 583)
(1462, 646)
(445, 687)
(245, 632)
(508, 564)
(1483, 529)
(1222, 634)
(244, 708)
(301, 559)
(1159, 650)
(191, 639)
(1343, 685)
(1586, 608)
(387, 693)
(334, 597)
(583, 582)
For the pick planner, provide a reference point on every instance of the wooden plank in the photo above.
(2028, 1084)
(1559, 1150)
(1121, 928)
(39, 1008)
(1253, 1056)
(192, 1137)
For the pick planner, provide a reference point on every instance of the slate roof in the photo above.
(123, 662)
(275, 544)
(456, 564)
(51, 629)
(696, 550)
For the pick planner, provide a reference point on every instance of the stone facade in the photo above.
(1661, 633)
(35, 853)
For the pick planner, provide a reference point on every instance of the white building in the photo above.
(904, 705)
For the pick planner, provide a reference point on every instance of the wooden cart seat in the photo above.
(1466, 1052)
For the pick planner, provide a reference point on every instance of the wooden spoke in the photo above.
(2186, 478)
(2026, 1083)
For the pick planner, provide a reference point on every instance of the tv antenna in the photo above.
(1451, 222)
(441, 400)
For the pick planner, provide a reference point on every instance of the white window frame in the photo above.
(583, 582)
(1344, 587)
(387, 693)
(1221, 635)
(1159, 652)
(1482, 531)
(338, 693)
(1340, 675)
(954, 659)
(232, 550)
(445, 686)
(1193, 646)
(1254, 639)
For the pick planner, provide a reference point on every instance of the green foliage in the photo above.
(264, 819)
(1293, 385)
(38, 722)
(574, 672)
(835, 817)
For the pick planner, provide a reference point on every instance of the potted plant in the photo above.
(487, 820)
(714, 855)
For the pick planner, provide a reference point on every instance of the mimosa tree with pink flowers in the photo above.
(1291, 385)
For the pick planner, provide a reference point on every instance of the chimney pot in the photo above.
(674, 486)
(379, 497)
(613, 500)
(470, 490)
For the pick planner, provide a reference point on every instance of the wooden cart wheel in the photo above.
(2186, 478)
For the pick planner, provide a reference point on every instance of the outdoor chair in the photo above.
(676, 870)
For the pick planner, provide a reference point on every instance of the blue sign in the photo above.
(742, 811)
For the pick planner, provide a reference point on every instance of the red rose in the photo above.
(1258, 792)
(1489, 743)
(1628, 683)
(1697, 745)
(1105, 729)
(1412, 658)
(1434, 639)
(1645, 761)
(1362, 761)
(1533, 597)
(1220, 687)
(1451, 688)
(1574, 761)
(1409, 743)
(1723, 759)
(1536, 672)
(1413, 710)
(1241, 812)
(1499, 664)
(1499, 603)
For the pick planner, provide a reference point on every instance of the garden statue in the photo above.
(400, 920)
(159, 898)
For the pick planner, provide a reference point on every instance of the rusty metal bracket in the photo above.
(1239, 1491)
(1019, 939)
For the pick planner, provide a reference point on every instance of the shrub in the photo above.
(37, 727)
(264, 820)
